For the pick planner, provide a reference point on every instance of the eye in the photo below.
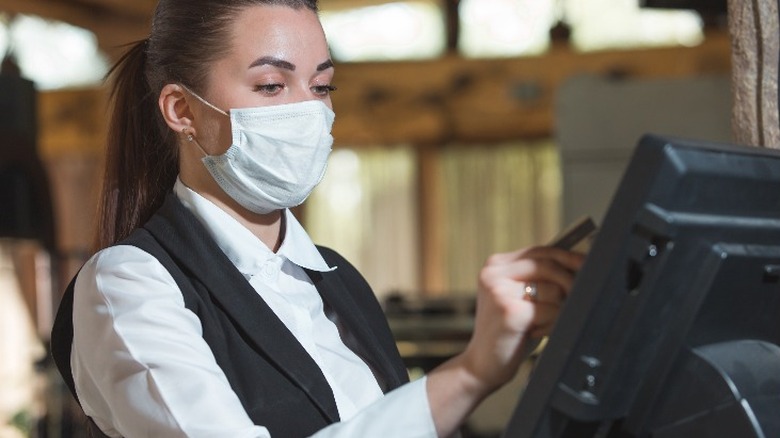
(323, 90)
(269, 89)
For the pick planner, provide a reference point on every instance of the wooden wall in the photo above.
(454, 99)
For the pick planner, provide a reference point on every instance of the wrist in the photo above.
(485, 370)
(454, 391)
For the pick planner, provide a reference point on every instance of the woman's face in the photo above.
(276, 55)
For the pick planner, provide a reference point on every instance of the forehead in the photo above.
(292, 34)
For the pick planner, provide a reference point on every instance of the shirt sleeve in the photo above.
(403, 412)
(139, 361)
(142, 368)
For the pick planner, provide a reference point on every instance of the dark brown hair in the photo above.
(187, 36)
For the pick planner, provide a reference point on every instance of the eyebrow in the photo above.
(276, 62)
(325, 65)
(280, 63)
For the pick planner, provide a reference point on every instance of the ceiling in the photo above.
(115, 22)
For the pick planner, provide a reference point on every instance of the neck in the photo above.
(269, 228)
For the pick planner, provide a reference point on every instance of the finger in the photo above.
(530, 270)
(569, 260)
(503, 258)
(557, 275)
(573, 261)
(544, 317)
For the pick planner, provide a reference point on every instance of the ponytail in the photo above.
(141, 158)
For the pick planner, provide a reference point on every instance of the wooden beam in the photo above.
(436, 102)
(137, 8)
(456, 99)
(754, 30)
(431, 220)
(428, 103)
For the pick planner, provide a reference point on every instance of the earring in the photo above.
(190, 137)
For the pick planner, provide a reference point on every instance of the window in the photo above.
(620, 24)
(500, 28)
(390, 31)
(53, 54)
(521, 27)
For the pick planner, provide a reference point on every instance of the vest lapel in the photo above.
(356, 331)
(176, 228)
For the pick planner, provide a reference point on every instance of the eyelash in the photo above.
(269, 88)
(320, 90)
(324, 90)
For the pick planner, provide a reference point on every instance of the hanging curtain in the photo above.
(499, 198)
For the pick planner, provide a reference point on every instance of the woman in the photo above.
(221, 122)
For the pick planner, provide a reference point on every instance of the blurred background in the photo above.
(463, 128)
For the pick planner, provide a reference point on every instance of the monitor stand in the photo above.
(727, 389)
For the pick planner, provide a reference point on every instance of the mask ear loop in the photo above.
(204, 101)
(191, 139)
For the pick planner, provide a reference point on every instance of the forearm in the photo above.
(453, 393)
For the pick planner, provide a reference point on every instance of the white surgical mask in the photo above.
(278, 155)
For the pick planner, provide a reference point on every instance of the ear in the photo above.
(176, 110)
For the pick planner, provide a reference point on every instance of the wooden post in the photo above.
(753, 25)
(433, 279)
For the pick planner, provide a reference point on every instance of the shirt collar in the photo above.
(245, 251)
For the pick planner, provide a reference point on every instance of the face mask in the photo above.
(279, 154)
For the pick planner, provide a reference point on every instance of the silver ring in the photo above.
(530, 291)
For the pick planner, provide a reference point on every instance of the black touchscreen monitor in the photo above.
(672, 328)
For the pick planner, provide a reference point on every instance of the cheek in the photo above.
(224, 136)
(216, 136)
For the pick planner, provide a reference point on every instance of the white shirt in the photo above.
(142, 368)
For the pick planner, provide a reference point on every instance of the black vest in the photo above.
(278, 383)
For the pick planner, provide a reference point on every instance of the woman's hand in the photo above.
(507, 319)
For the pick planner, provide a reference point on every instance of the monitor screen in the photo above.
(673, 324)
